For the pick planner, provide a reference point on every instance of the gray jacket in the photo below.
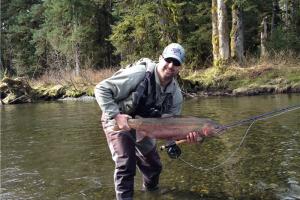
(112, 92)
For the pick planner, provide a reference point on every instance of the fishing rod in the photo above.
(259, 117)
(174, 151)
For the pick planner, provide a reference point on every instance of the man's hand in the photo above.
(193, 137)
(121, 120)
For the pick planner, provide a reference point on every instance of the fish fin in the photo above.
(140, 136)
(183, 116)
(138, 117)
(166, 115)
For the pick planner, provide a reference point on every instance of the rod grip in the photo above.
(177, 142)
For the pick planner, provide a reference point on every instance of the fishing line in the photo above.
(238, 123)
(263, 116)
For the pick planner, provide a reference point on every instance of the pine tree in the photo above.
(19, 20)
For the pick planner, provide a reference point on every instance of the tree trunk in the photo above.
(275, 16)
(286, 14)
(295, 10)
(293, 13)
(223, 31)
(6, 63)
(237, 35)
(263, 38)
(290, 9)
(215, 35)
(77, 60)
(109, 50)
(163, 21)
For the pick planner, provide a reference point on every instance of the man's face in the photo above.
(168, 68)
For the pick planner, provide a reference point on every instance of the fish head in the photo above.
(210, 128)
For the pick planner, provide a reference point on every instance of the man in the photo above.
(146, 89)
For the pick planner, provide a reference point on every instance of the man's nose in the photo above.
(171, 65)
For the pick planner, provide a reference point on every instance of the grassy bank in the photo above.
(278, 74)
(68, 84)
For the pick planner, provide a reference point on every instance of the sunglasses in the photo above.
(172, 60)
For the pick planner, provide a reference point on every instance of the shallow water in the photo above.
(57, 150)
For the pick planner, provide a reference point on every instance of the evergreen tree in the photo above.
(147, 27)
(38, 35)
(19, 19)
(71, 30)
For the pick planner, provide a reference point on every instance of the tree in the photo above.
(75, 32)
(237, 34)
(263, 38)
(66, 28)
(275, 15)
(281, 35)
(223, 31)
(147, 27)
(19, 20)
(215, 33)
(137, 34)
(38, 35)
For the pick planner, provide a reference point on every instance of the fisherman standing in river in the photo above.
(145, 89)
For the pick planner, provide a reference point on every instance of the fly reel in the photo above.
(172, 149)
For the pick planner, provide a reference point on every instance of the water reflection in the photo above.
(57, 150)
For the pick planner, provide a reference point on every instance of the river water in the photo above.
(57, 150)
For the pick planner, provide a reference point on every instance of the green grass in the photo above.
(233, 77)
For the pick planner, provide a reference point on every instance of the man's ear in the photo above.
(161, 57)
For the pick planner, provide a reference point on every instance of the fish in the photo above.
(171, 128)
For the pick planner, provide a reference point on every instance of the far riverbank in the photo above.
(261, 78)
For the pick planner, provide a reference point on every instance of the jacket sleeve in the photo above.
(111, 91)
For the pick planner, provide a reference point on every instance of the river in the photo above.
(57, 150)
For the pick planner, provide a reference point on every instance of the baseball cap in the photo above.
(174, 50)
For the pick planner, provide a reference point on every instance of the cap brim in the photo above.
(172, 56)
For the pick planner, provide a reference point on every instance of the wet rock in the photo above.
(15, 91)
(267, 89)
(283, 89)
(245, 91)
(13, 99)
(74, 93)
(256, 90)
(189, 86)
(295, 87)
(292, 192)
(53, 92)
(82, 98)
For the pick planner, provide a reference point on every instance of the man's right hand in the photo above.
(121, 120)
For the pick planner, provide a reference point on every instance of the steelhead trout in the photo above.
(171, 128)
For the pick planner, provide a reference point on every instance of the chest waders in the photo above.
(142, 101)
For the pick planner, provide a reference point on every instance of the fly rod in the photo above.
(223, 128)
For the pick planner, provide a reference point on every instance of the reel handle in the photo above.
(177, 142)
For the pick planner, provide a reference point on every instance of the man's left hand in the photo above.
(193, 137)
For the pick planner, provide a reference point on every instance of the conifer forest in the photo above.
(42, 35)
